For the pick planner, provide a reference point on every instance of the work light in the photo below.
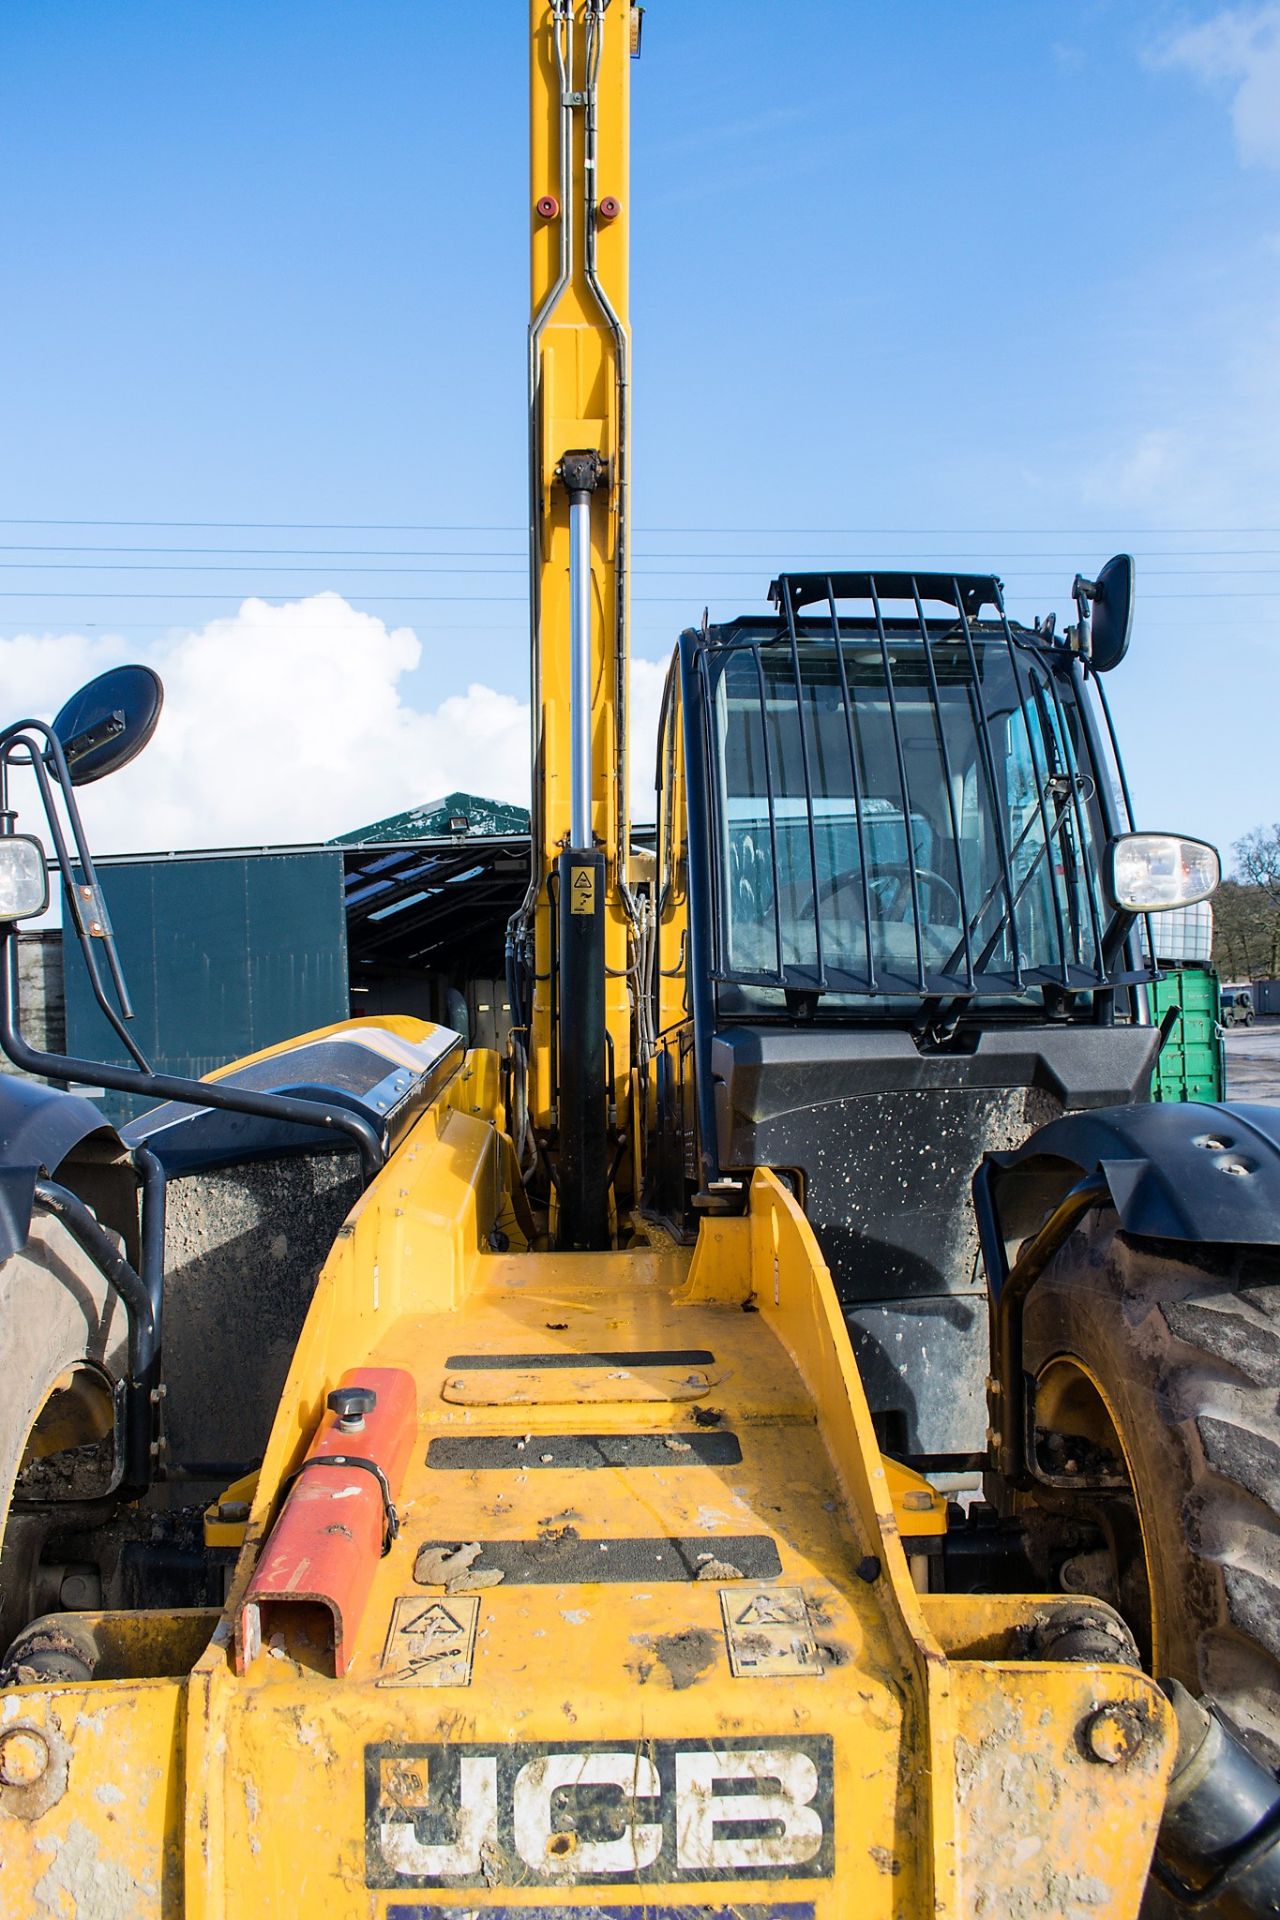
(1149, 872)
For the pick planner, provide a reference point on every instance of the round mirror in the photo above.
(1112, 613)
(109, 722)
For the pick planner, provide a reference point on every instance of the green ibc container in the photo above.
(1192, 1064)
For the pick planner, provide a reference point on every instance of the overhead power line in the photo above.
(753, 570)
(282, 526)
(824, 557)
(648, 628)
(1114, 530)
(476, 599)
(382, 599)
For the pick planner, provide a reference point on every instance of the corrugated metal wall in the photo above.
(223, 956)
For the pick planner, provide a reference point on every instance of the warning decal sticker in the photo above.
(768, 1632)
(430, 1643)
(582, 885)
(461, 1814)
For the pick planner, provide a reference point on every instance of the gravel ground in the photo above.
(1253, 1063)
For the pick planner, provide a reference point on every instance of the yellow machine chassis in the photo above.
(884, 1751)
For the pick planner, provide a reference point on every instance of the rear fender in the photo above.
(48, 1133)
(1203, 1173)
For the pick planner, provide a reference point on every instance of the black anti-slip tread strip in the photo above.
(507, 1452)
(561, 1556)
(539, 1362)
(776, 1910)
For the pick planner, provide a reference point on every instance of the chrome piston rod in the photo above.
(581, 474)
(580, 669)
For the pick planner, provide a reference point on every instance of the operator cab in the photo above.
(905, 807)
(907, 943)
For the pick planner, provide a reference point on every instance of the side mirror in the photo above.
(24, 879)
(108, 723)
(1108, 601)
(1151, 872)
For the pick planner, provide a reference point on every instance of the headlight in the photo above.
(24, 882)
(1148, 872)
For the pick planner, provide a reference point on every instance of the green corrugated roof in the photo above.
(431, 821)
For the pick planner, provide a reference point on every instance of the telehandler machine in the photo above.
(793, 1434)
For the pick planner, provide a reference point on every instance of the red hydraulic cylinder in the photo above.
(318, 1561)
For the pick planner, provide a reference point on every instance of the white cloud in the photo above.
(287, 723)
(1238, 49)
(648, 677)
(1208, 454)
(1155, 467)
(38, 671)
(280, 723)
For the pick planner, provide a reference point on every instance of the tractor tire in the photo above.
(1165, 1360)
(63, 1345)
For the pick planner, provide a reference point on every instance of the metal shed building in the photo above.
(229, 951)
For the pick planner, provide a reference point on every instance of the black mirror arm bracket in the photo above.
(32, 743)
(1084, 593)
(85, 899)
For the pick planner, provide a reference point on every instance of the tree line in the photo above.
(1246, 910)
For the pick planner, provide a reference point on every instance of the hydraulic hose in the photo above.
(92, 1237)
(1221, 1819)
(1007, 1339)
(144, 1352)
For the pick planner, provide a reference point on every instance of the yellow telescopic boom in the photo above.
(579, 1022)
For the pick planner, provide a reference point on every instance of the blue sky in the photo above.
(994, 283)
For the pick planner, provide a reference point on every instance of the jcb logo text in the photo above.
(471, 1815)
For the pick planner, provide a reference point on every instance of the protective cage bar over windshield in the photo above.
(904, 806)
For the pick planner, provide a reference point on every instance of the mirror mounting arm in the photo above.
(1080, 637)
(32, 743)
(18, 748)
(1121, 925)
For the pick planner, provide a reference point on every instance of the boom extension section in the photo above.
(574, 949)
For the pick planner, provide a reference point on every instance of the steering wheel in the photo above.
(895, 873)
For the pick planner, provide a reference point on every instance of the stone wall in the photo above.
(43, 1007)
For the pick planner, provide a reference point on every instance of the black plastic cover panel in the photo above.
(764, 1072)
(386, 1079)
(39, 1126)
(887, 1139)
(1193, 1172)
